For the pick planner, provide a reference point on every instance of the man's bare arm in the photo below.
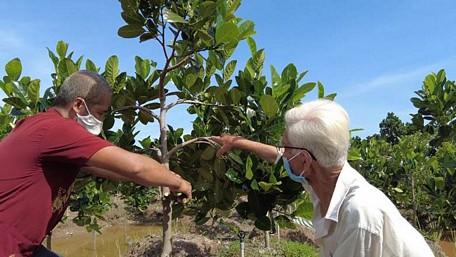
(230, 142)
(138, 168)
(98, 172)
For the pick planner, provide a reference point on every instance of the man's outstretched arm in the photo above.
(230, 142)
(138, 168)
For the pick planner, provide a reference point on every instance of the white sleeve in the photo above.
(359, 242)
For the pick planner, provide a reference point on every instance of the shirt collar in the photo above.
(344, 182)
(346, 179)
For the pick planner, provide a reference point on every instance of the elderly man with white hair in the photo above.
(351, 217)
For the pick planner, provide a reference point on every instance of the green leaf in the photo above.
(252, 45)
(16, 102)
(353, 154)
(207, 9)
(248, 168)
(70, 66)
(130, 31)
(321, 90)
(254, 185)
(226, 33)
(265, 186)
(146, 142)
(304, 210)
(14, 69)
(235, 95)
(289, 73)
(61, 49)
(235, 158)
(246, 29)
(190, 79)
(90, 66)
(208, 153)
(145, 117)
(398, 190)
(441, 75)
(147, 36)
(263, 223)
(7, 88)
(303, 90)
(269, 105)
(33, 91)
(331, 96)
(142, 67)
(112, 69)
(429, 83)
(275, 77)
(54, 58)
(439, 182)
(172, 17)
(229, 69)
(132, 17)
(258, 60)
(232, 175)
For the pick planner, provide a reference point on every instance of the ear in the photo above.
(77, 106)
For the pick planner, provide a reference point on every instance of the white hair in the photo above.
(322, 127)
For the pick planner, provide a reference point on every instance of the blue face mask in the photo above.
(296, 178)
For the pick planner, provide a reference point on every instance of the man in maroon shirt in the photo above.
(41, 157)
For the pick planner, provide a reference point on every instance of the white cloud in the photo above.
(393, 79)
(9, 40)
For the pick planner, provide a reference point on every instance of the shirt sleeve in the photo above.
(70, 143)
(359, 242)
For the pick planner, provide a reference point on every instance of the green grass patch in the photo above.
(282, 248)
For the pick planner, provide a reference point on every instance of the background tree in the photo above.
(414, 163)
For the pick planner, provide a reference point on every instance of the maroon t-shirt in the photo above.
(39, 161)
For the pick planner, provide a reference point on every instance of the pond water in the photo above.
(113, 242)
(116, 240)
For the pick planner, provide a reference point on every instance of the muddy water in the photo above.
(449, 248)
(114, 241)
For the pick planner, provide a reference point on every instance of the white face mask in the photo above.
(92, 124)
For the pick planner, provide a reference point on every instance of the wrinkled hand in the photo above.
(226, 142)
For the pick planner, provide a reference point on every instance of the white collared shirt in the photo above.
(362, 222)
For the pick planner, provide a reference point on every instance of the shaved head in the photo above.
(85, 84)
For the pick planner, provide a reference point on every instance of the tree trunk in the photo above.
(166, 200)
(167, 227)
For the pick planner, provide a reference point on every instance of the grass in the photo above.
(282, 248)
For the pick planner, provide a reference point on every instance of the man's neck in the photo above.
(62, 111)
(323, 182)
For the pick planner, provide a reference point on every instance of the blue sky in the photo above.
(374, 54)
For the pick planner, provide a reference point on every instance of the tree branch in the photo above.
(198, 140)
(162, 43)
(134, 107)
(184, 101)
(180, 63)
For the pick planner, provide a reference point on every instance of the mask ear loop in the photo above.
(289, 160)
(85, 105)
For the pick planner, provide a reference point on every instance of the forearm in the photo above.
(154, 173)
(135, 167)
(264, 151)
(98, 172)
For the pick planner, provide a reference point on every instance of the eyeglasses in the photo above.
(296, 148)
